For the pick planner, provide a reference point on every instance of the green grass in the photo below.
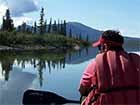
(15, 39)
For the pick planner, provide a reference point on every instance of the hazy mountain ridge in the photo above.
(78, 28)
(94, 34)
(132, 43)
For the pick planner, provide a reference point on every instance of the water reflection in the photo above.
(11, 92)
(6, 62)
(41, 60)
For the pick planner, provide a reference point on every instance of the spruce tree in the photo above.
(58, 27)
(3, 24)
(28, 30)
(32, 29)
(50, 25)
(45, 26)
(7, 24)
(70, 33)
(54, 27)
(41, 27)
(61, 27)
(19, 28)
(35, 27)
(23, 27)
(64, 28)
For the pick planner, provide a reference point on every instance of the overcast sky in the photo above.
(123, 15)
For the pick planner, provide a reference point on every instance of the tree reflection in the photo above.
(6, 64)
(42, 60)
(40, 66)
(39, 60)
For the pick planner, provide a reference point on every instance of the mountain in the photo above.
(93, 34)
(132, 44)
(83, 30)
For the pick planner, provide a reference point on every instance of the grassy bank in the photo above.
(37, 41)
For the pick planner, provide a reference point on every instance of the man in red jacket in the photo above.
(113, 78)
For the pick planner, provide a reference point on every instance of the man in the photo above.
(113, 78)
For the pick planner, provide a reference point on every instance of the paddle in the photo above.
(37, 97)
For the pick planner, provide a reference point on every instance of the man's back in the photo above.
(118, 77)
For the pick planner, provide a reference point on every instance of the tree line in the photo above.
(58, 27)
(42, 26)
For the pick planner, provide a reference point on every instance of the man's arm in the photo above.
(88, 79)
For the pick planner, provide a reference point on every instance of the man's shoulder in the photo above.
(100, 54)
(135, 58)
(134, 55)
(93, 61)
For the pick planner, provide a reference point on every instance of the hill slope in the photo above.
(78, 28)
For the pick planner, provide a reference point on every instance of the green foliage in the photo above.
(64, 30)
(7, 24)
(35, 27)
(17, 39)
(41, 26)
(49, 27)
(63, 27)
(70, 33)
(13, 38)
(54, 27)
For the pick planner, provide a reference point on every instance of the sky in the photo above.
(122, 15)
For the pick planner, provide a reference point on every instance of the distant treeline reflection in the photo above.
(38, 59)
(44, 60)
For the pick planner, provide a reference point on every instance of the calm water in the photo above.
(56, 72)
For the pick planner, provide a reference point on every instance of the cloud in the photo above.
(20, 20)
(3, 8)
(18, 7)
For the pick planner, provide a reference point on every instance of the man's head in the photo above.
(110, 40)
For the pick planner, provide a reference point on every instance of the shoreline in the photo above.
(29, 48)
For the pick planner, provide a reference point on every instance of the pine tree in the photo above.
(70, 33)
(41, 31)
(35, 27)
(54, 27)
(32, 29)
(64, 29)
(61, 27)
(58, 27)
(45, 26)
(19, 29)
(7, 24)
(50, 25)
(28, 30)
(23, 27)
(3, 24)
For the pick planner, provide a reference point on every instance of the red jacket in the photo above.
(117, 76)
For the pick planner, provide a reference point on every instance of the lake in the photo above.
(55, 72)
